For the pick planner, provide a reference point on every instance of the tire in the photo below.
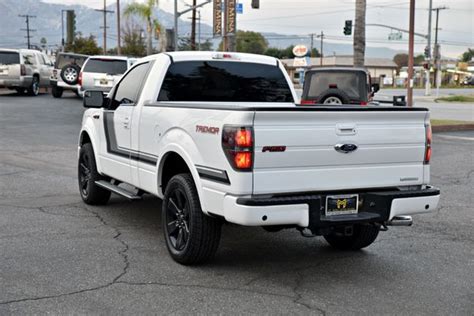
(333, 97)
(33, 90)
(191, 236)
(70, 73)
(87, 175)
(57, 92)
(363, 235)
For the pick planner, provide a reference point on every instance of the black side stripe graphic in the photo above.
(213, 174)
(113, 149)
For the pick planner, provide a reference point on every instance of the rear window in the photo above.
(108, 66)
(8, 58)
(352, 83)
(63, 60)
(224, 81)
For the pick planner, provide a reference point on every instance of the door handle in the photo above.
(126, 122)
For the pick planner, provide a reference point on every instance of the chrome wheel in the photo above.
(332, 100)
(70, 74)
(177, 220)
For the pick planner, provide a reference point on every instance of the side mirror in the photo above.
(93, 99)
(375, 87)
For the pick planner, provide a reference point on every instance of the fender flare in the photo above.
(177, 149)
(86, 129)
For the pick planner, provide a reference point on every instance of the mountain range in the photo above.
(47, 24)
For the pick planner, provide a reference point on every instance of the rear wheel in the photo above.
(33, 90)
(362, 236)
(91, 193)
(57, 92)
(191, 236)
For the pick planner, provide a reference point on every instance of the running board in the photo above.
(117, 190)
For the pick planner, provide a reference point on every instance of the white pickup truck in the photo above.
(219, 138)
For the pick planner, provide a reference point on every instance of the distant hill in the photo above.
(88, 21)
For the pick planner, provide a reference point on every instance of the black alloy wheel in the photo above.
(84, 175)
(177, 220)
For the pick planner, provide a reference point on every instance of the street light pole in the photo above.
(411, 40)
(427, 71)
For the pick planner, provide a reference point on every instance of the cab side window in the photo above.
(129, 88)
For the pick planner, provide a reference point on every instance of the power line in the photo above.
(28, 30)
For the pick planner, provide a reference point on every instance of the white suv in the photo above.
(24, 70)
(102, 72)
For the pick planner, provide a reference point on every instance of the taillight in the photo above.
(22, 70)
(237, 143)
(429, 136)
(79, 79)
(363, 103)
(308, 102)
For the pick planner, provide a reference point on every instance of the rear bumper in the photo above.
(63, 85)
(21, 82)
(307, 210)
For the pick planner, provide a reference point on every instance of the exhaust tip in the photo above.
(400, 221)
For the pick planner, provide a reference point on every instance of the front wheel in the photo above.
(33, 90)
(191, 236)
(362, 236)
(91, 193)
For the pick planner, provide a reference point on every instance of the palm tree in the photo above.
(145, 11)
(359, 33)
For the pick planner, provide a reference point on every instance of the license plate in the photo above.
(342, 204)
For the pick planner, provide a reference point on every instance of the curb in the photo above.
(452, 128)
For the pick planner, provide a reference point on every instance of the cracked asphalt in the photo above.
(59, 256)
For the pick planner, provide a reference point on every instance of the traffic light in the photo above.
(348, 27)
(70, 26)
(427, 52)
(255, 4)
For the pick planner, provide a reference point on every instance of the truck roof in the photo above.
(227, 56)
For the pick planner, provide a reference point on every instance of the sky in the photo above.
(302, 17)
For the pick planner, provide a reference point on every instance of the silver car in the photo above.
(24, 70)
(102, 72)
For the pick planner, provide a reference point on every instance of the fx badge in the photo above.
(345, 148)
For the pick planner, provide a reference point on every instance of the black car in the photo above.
(334, 86)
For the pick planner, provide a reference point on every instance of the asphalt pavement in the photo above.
(59, 256)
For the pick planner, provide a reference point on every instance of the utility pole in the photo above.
(321, 36)
(411, 40)
(312, 45)
(177, 14)
(199, 30)
(436, 52)
(119, 46)
(105, 11)
(193, 27)
(427, 71)
(28, 30)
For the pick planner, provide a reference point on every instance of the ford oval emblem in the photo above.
(345, 148)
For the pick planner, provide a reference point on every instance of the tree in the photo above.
(145, 11)
(419, 59)
(84, 45)
(133, 41)
(359, 33)
(468, 55)
(249, 42)
(186, 44)
(402, 60)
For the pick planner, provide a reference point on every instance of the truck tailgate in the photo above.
(390, 150)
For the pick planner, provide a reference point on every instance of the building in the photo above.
(382, 70)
